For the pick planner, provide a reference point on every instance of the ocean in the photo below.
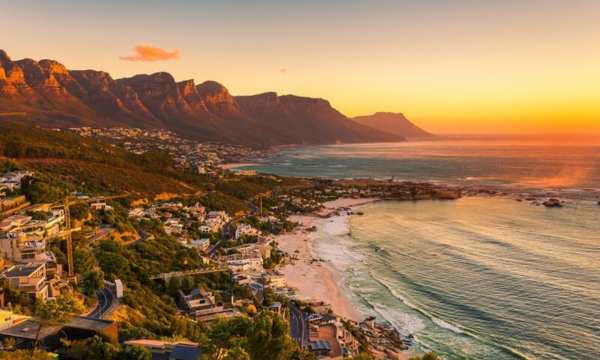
(498, 162)
(476, 278)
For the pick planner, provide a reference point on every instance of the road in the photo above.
(225, 234)
(298, 325)
(106, 301)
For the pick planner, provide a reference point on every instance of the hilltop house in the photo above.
(29, 278)
(202, 306)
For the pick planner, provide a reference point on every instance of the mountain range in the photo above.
(46, 93)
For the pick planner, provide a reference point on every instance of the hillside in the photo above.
(393, 123)
(65, 162)
(46, 93)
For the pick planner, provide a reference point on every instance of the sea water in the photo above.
(526, 164)
(476, 278)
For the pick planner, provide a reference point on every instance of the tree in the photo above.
(54, 312)
(36, 354)
(173, 286)
(268, 338)
(237, 353)
(187, 284)
(101, 350)
(251, 309)
(83, 260)
(134, 352)
(92, 281)
(428, 356)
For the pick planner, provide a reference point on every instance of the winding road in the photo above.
(106, 301)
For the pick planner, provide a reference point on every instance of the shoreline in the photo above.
(311, 277)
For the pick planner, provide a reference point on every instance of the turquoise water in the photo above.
(478, 278)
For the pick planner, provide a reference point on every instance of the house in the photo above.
(168, 350)
(29, 278)
(251, 262)
(100, 206)
(245, 230)
(12, 180)
(12, 202)
(136, 213)
(27, 333)
(275, 307)
(274, 280)
(173, 226)
(202, 306)
(198, 211)
(13, 222)
(215, 220)
(319, 347)
(200, 245)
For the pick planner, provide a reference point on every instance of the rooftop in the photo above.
(22, 270)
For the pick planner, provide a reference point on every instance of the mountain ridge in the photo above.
(46, 93)
(394, 123)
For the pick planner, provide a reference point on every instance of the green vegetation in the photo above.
(263, 337)
(428, 356)
(25, 355)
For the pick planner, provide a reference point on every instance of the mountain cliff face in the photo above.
(394, 123)
(46, 93)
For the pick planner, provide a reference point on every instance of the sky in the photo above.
(463, 66)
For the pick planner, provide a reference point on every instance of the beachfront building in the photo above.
(240, 264)
(274, 279)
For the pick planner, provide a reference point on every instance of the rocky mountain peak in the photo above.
(187, 87)
(4, 58)
(53, 67)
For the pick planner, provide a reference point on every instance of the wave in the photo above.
(443, 324)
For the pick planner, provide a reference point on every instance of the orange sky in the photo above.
(457, 66)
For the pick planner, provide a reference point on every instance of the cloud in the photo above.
(151, 53)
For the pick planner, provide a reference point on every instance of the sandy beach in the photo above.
(313, 279)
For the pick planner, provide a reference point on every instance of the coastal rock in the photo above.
(553, 203)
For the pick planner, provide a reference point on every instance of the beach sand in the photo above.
(317, 280)
(313, 279)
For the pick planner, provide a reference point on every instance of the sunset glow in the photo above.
(450, 66)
